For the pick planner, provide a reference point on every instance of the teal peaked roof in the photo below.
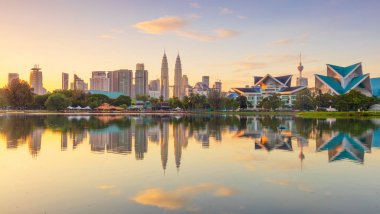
(344, 71)
(335, 84)
(375, 82)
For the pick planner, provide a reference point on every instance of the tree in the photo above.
(18, 93)
(215, 99)
(142, 97)
(305, 100)
(39, 100)
(122, 100)
(175, 102)
(95, 100)
(353, 101)
(242, 101)
(3, 99)
(57, 102)
(230, 103)
(272, 102)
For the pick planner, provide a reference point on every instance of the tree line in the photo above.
(18, 95)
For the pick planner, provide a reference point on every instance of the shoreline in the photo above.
(359, 115)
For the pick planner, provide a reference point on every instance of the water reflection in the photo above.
(125, 135)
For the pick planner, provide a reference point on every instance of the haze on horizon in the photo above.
(227, 40)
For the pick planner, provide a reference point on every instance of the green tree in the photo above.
(215, 99)
(122, 100)
(272, 102)
(305, 100)
(39, 100)
(243, 101)
(3, 99)
(95, 100)
(142, 97)
(19, 94)
(57, 101)
(175, 102)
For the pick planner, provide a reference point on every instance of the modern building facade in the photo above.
(141, 80)
(78, 84)
(121, 81)
(99, 81)
(12, 76)
(185, 84)
(178, 79)
(375, 87)
(36, 81)
(206, 80)
(268, 86)
(155, 89)
(341, 80)
(165, 78)
(65, 81)
(218, 86)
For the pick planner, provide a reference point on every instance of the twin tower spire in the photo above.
(178, 88)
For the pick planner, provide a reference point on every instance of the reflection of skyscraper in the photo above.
(78, 137)
(120, 142)
(164, 126)
(34, 141)
(141, 142)
(177, 132)
(63, 140)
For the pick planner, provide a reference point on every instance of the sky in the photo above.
(231, 41)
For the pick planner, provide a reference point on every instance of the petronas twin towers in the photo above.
(178, 90)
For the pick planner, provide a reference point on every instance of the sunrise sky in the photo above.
(228, 40)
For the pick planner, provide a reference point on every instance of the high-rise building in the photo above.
(99, 81)
(154, 85)
(165, 78)
(154, 88)
(206, 80)
(185, 84)
(178, 78)
(65, 81)
(121, 81)
(141, 80)
(218, 86)
(301, 81)
(78, 84)
(35, 80)
(12, 76)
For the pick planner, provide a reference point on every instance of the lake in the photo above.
(188, 164)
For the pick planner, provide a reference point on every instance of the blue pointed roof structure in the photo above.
(344, 71)
(375, 82)
(336, 85)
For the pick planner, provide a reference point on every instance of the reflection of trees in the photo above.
(16, 129)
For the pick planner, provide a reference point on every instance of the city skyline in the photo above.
(227, 41)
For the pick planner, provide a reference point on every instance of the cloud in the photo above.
(241, 17)
(180, 198)
(176, 25)
(105, 36)
(105, 187)
(301, 39)
(207, 37)
(195, 5)
(225, 11)
(161, 25)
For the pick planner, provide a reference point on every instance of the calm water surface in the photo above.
(188, 164)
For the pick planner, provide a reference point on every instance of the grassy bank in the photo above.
(365, 114)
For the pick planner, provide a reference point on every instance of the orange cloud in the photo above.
(176, 25)
(180, 198)
(161, 25)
